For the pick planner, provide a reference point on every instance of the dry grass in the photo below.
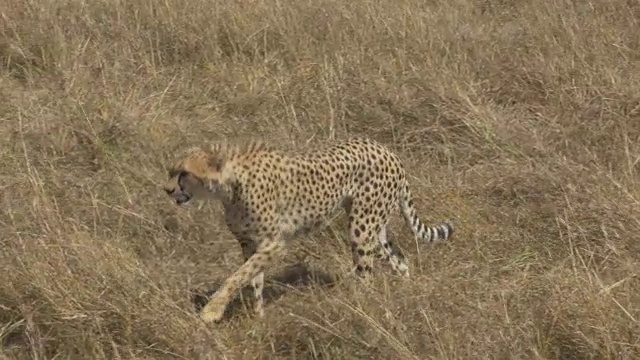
(519, 120)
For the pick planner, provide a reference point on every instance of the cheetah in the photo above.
(270, 198)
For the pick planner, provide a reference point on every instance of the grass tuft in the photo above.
(518, 121)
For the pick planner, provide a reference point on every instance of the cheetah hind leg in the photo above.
(395, 257)
(363, 246)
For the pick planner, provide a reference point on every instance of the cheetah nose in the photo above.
(169, 191)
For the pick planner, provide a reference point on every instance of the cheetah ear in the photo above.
(217, 157)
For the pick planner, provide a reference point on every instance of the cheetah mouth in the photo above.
(182, 199)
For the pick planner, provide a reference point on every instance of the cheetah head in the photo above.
(197, 175)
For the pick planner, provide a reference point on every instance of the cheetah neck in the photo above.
(234, 157)
(225, 188)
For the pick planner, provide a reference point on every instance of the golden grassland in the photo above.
(517, 120)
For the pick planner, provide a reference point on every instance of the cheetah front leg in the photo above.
(248, 249)
(252, 268)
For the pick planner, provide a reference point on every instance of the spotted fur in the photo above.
(270, 197)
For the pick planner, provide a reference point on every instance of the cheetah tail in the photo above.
(442, 231)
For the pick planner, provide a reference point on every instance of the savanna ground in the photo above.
(518, 120)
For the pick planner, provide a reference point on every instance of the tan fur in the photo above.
(270, 198)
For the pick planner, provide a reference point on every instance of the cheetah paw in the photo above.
(213, 315)
(213, 311)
